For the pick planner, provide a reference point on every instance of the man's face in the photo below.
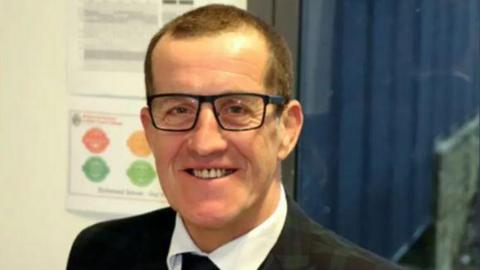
(234, 61)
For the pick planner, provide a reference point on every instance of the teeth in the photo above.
(210, 173)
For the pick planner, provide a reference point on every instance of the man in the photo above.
(219, 121)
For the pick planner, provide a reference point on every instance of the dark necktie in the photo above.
(196, 262)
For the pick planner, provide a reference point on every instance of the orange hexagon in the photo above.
(137, 143)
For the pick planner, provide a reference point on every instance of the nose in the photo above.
(207, 137)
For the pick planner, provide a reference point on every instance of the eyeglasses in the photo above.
(233, 111)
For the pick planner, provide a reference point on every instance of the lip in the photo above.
(208, 166)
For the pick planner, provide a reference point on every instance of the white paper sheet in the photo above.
(107, 41)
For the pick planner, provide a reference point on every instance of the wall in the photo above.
(35, 229)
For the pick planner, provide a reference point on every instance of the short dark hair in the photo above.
(215, 19)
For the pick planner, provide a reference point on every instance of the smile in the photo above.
(210, 173)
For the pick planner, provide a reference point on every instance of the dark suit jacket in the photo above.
(142, 242)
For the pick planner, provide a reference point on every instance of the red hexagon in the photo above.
(95, 140)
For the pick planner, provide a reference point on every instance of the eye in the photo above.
(236, 109)
(179, 110)
(233, 106)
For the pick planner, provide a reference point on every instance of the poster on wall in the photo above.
(112, 169)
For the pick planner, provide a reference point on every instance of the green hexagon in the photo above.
(141, 173)
(95, 169)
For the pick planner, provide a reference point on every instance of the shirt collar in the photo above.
(251, 248)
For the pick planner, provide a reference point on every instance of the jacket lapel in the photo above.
(292, 248)
(156, 241)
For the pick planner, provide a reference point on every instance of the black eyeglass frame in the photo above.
(267, 99)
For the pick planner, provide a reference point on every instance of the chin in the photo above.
(210, 216)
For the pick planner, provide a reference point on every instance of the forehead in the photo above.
(241, 56)
(227, 44)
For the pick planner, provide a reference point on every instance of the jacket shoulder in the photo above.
(305, 244)
(123, 241)
(134, 224)
(343, 254)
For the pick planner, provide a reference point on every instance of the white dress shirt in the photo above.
(243, 253)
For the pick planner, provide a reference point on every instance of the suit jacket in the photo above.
(142, 242)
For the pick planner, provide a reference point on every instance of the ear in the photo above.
(147, 124)
(291, 124)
